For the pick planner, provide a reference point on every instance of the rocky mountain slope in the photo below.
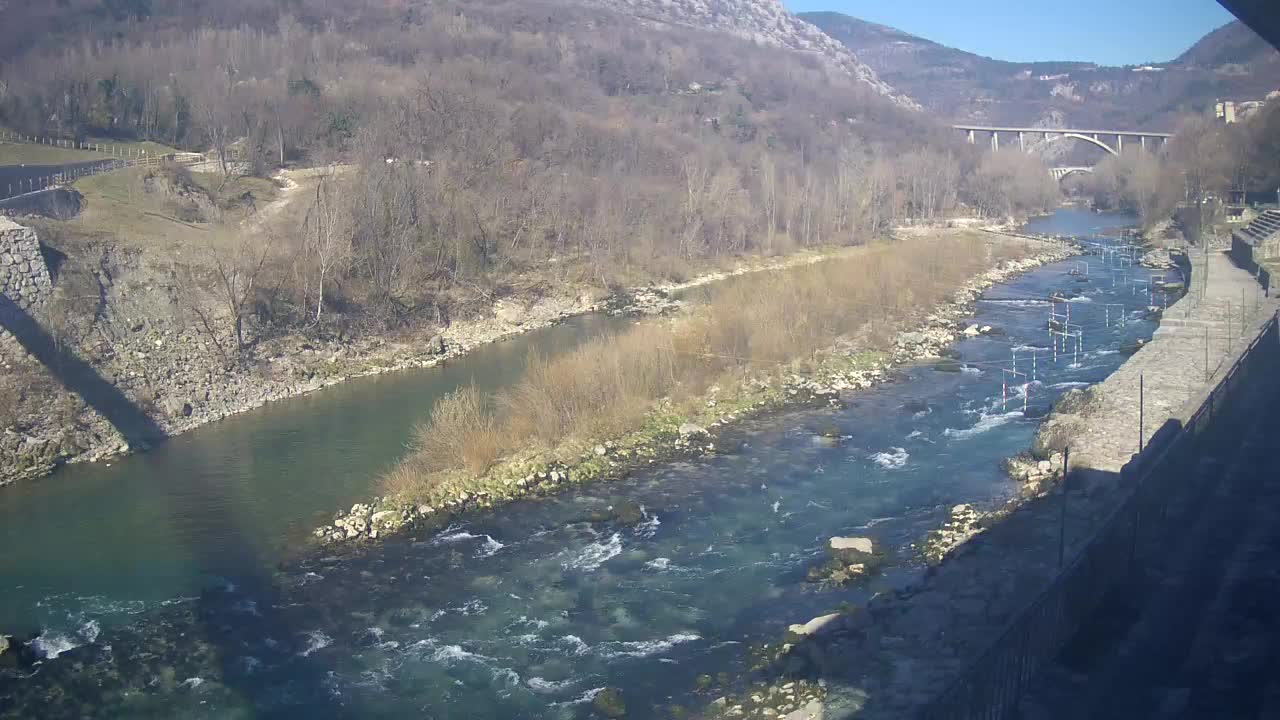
(1230, 63)
(763, 21)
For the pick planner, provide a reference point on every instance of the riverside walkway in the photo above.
(912, 644)
(1199, 337)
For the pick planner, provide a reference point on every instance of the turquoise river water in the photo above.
(180, 583)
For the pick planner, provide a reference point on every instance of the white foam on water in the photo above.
(659, 563)
(1068, 385)
(1106, 352)
(582, 699)
(316, 640)
(539, 624)
(450, 654)
(1081, 299)
(914, 434)
(454, 534)
(472, 607)
(776, 504)
(968, 370)
(548, 687)
(51, 643)
(644, 648)
(506, 676)
(489, 547)
(649, 527)
(1027, 348)
(876, 521)
(893, 459)
(985, 422)
(575, 644)
(1015, 302)
(192, 683)
(251, 664)
(595, 554)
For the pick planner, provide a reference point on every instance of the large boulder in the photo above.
(608, 702)
(851, 549)
(689, 431)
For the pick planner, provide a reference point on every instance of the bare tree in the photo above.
(328, 232)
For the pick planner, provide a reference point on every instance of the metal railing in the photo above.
(990, 687)
(115, 150)
(120, 157)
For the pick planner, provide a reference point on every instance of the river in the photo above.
(176, 583)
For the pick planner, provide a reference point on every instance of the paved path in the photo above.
(1198, 339)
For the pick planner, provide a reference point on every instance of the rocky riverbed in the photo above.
(845, 368)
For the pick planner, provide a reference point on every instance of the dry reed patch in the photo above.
(757, 325)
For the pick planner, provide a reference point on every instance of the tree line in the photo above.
(476, 141)
(1206, 161)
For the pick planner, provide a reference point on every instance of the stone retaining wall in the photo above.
(24, 277)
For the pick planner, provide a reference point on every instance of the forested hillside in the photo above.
(490, 136)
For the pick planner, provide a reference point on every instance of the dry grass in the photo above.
(461, 429)
(756, 325)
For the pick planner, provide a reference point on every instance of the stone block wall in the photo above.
(24, 277)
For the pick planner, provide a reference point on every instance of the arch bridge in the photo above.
(1101, 138)
(1060, 172)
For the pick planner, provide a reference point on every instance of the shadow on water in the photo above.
(237, 622)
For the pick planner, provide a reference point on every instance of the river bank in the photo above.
(170, 371)
(682, 429)
(889, 657)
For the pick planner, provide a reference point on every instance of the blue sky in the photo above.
(1109, 32)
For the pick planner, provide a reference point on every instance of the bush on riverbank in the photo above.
(753, 328)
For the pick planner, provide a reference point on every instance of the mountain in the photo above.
(766, 22)
(1231, 63)
(763, 21)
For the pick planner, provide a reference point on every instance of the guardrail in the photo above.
(26, 186)
(115, 150)
(990, 687)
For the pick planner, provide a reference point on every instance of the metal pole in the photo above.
(1142, 409)
(1062, 526)
(1206, 354)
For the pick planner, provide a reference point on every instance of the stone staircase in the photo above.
(1261, 229)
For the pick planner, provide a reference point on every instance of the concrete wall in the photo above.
(24, 277)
